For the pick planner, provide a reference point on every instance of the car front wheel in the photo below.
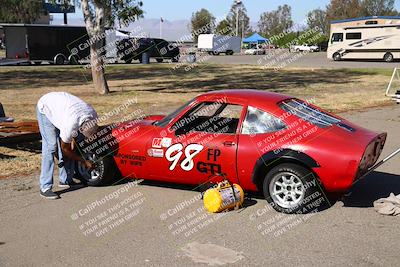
(291, 188)
(104, 172)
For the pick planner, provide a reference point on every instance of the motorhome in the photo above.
(372, 41)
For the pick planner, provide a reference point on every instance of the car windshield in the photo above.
(308, 113)
(167, 119)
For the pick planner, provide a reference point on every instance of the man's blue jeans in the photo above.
(50, 149)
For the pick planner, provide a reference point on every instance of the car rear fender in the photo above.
(273, 158)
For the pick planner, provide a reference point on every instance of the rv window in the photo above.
(337, 37)
(353, 36)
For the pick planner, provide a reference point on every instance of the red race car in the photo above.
(284, 147)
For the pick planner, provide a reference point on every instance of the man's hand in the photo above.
(89, 165)
(69, 153)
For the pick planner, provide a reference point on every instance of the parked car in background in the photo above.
(254, 51)
(217, 44)
(304, 48)
(130, 49)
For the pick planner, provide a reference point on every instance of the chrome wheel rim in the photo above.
(87, 174)
(287, 190)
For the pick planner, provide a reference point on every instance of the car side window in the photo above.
(210, 117)
(258, 122)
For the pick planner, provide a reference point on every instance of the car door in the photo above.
(199, 146)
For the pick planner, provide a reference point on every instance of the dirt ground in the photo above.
(160, 88)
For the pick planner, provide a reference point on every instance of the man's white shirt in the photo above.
(66, 112)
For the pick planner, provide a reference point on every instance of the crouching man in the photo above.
(61, 116)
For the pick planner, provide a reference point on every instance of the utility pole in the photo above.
(238, 4)
(161, 22)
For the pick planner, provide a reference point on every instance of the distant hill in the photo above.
(171, 30)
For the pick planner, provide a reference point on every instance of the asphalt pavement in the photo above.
(284, 58)
(279, 58)
(144, 224)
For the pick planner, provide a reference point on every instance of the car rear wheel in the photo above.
(104, 173)
(388, 57)
(59, 60)
(291, 188)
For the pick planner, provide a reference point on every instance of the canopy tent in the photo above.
(255, 39)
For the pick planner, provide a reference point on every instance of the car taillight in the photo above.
(372, 153)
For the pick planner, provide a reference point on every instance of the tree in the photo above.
(276, 22)
(317, 18)
(202, 22)
(378, 8)
(97, 15)
(343, 9)
(21, 11)
(238, 18)
(224, 27)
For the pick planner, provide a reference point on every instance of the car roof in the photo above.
(248, 95)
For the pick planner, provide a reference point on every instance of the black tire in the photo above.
(229, 52)
(337, 57)
(128, 61)
(37, 62)
(159, 60)
(59, 60)
(104, 173)
(388, 57)
(215, 53)
(300, 180)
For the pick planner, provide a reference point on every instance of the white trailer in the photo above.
(217, 44)
(365, 42)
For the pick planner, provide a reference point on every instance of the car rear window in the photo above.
(308, 113)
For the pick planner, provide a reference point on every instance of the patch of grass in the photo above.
(376, 71)
(160, 88)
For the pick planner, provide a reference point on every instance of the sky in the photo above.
(174, 11)
(182, 10)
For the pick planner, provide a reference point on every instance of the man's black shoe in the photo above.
(68, 184)
(49, 194)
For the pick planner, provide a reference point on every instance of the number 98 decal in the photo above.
(174, 153)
